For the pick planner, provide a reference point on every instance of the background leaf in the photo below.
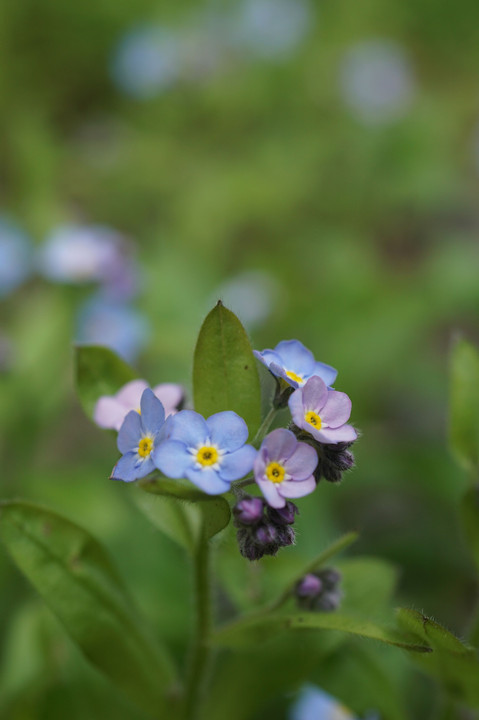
(73, 574)
(214, 511)
(470, 519)
(464, 420)
(99, 371)
(452, 662)
(225, 376)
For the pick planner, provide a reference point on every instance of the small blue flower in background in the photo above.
(139, 435)
(252, 295)
(15, 257)
(295, 364)
(210, 453)
(115, 325)
(315, 704)
(79, 254)
(377, 81)
(271, 28)
(146, 61)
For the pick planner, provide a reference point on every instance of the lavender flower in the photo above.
(284, 468)
(210, 453)
(295, 364)
(322, 413)
(111, 410)
(140, 433)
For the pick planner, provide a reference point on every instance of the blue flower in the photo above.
(211, 453)
(139, 436)
(295, 364)
(315, 703)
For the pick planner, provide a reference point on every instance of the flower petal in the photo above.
(236, 465)
(296, 407)
(130, 394)
(279, 444)
(126, 468)
(337, 409)
(315, 394)
(295, 357)
(227, 430)
(268, 356)
(130, 433)
(208, 481)
(302, 462)
(152, 412)
(271, 494)
(109, 413)
(325, 372)
(331, 436)
(172, 458)
(171, 396)
(190, 428)
(292, 489)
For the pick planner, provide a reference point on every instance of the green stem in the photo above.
(200, 650)
(264, 427)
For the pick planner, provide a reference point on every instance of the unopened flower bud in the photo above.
(284, 515)
(319, 591)
(248, 511)
(333, 461)
(266, 534)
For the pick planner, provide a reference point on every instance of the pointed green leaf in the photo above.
(73, 574)
(464, 419)
(99, 371)
(452, 662)
(243, 633)
(225, 376)
(214, 509)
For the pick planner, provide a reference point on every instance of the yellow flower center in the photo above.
(207, 455)
(275, 472)
(313, 419)
(145, 447)
(292, 376)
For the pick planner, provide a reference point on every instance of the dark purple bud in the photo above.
(333, 461)
(284, 515)
(248, 511)
(266, 534)
(309, 585)
(329, 601)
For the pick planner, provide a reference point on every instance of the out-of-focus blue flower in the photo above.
(323, 413)
(139, 435)
(271, 28)
(295, 364)
(315, 704)
(89, 253)
(210, 453)
(252, 295)
(114, 325)
(146, 61)
(377, 81)
(15, 257)
(284, 468)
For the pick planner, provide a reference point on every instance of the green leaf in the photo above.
(452, 662)
(243, 633)
(73, 574)
(464, 418)
(214, 510)
(225, 376)
(470, 520)
(172, 517)
(99, 371)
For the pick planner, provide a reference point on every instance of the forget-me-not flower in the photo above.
(321, 412)
(140, 434)
(316, 704)
(111, 410)
(210, 453)
(284, 467)
(295, 364)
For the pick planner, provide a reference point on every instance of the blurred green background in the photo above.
(316, 166)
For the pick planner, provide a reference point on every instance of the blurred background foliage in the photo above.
(316, 165)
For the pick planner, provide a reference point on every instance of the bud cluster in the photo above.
(263, 530)
(333, 459)
(319, 591)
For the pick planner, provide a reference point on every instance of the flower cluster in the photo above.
(154, 433)
(319, 590)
